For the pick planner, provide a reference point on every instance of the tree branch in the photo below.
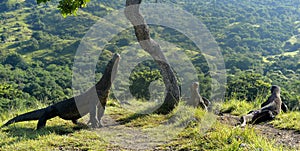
(153, 48)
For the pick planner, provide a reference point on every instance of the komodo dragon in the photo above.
(78, 106)
(269, 109)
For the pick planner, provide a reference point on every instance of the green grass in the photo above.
(239, 107)
(293, 40)
(53, 137)
(140, 118)
(221, 137)
(292, 54)
(288, 120)
(184, 127)
(57, 135)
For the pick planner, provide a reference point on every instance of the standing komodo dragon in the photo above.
(196, 99)
(78, 106)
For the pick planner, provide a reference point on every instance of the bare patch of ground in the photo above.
(131, 138)
(136, 138)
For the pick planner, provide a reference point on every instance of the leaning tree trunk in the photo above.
(149, 45)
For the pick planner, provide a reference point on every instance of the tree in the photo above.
(16, 60)
(4, 37)
(153, 48)
(247, 85)
(140, 80)
(142, 33)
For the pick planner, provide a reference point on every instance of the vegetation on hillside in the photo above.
(258, 39)
(255, 37)
(64, 135)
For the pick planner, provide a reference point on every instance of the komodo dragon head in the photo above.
(275, 89)
(116, 60)
(108, 76)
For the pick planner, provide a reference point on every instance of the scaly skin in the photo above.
(269, 109)
(87, 102)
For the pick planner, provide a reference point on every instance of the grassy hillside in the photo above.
(135, 131)
(254, 37)
(287, 120)
(258, 39)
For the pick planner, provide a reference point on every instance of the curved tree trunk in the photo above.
(152, 47)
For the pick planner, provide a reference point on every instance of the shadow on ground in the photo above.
(26, 133)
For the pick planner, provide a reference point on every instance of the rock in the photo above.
(242, 145)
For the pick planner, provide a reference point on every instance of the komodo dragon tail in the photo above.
(33, 115)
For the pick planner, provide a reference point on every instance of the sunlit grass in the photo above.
(141, 117)
(238, 107)
(184, 129)
(221, 137)
(293, 40)
(58, 134)
(288, 120)
(51, 138)
(292, 54)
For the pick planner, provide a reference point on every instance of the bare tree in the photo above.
(149, 45)
(153, 48)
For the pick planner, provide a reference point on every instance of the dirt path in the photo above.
(123, 137)
(288, 138)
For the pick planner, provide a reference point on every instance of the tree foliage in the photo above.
(37, 46)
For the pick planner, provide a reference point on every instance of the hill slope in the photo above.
(126, 130)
